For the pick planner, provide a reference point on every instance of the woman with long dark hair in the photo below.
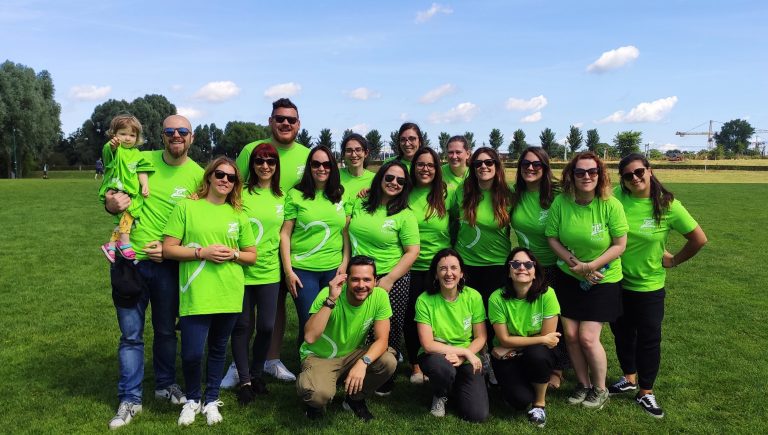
(652, 212)
(410, 140)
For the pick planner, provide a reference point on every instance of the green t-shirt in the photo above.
(121, 168)
(317, 240)
(293, 158)
(382, 237)
(641, 261)
(206, 287)
(452, 181)
(484, 244)
(353, 185)
(587, 230)
(523, 318)
(451, 322)
(348, 326)
(168, 185)
(265, 213)
(529, 221)
(407, 163)
(433, 232)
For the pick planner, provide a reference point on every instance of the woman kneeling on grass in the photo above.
(524, 317)
(212, 239)
(450, 319)
(652, 212)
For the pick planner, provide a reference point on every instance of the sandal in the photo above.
(127, 252)
(109, 252)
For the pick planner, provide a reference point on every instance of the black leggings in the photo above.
(264, 298)
(486, 280)
(419, 282)
(398, 299)
(462, 387)
(515, 375)
(637, 334)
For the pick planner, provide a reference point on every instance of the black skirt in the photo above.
(601, 303)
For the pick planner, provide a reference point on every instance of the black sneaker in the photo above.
(386, 388)
(537, 416)
(313, 413)
(245, 394)
(622, 386)
(359, 408)
(258, 386)
(649, 405)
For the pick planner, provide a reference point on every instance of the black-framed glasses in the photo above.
(270, 161)
(536, 164)
(182, 131)
(358, 150)
(581, 173)
(528, 265)
(422, 165)
(390, 178)
(281, 119)
(219, 174)
(316, 164)
(487, 162)
(628, 176)
(411, 139)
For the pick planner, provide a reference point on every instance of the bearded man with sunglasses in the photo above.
(176, 176)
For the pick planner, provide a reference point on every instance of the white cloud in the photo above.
(189, 112)
(423, 16)
(176, 88)
(464, 112)
(644, 112)
(216, 92)
(535, 103)
(362, 94)
(282, 90)
(437, 93)
(89, 92)
(578, 124)
(667, 147)
(360, 128)
(403, 116)
(533, 117)
(614, 59)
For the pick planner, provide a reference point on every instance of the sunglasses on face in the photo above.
(422, 165)
(628, 176)
(581, 173)
(390, 178)
(514, 264)
(487, 162)
(232, 178)
(182, 131)
(270, 161)
(280, 119)
(535, 164)
(316, 164)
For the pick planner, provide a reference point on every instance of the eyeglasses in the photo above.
(232, 178)
(182, 131)
(422, 165)
(410, 139)
(280, 119)
(270, 161)
(536, 164)
(514, 264)
(390, 178)
(315, 164)
(487, 162)
(628, 176)
(354, 151)
(581, 173)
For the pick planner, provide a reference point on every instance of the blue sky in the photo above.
(651, 66)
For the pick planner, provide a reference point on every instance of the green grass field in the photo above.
(59, 335)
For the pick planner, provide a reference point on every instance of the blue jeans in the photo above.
(195, 331)
(162, 281)
(312, 283)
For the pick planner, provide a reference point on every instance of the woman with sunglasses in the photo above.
(428, 202)
(587, 230)
(524, 315)
(410, 140)
(652, 212)
(383, 227)
(212, 240)
(313, 246)
(354, 176)
(451, 322)
(263, 205)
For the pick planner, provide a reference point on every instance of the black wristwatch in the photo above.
(329, 303)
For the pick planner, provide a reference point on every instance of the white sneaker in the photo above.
(231, 379)
(438, 406)
(211, 411)
(172, 394)
(277, 369)
(189, 412)
(125, 413)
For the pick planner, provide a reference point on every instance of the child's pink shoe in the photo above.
(109, 252)
(127, 252)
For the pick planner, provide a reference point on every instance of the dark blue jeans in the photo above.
(195, 332)
(313, 282)
(162, 281)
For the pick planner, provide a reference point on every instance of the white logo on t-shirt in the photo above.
(278, 208)
(543, 216)
(648, 223)
(234, 230)
(339, 206)
(131, 167)
(179, 192)
(467, 323)
(536, 319)
(388, 224)
(299, 171)
(367, 323)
